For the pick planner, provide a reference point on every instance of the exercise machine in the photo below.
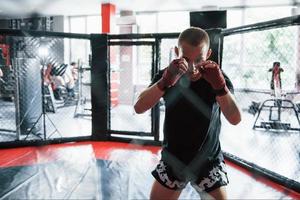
(81, 109)
(275, 106)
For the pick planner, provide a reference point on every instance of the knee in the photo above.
(159, 192)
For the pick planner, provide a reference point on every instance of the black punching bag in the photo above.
(209, 19)
(30, 94)
(212, 22)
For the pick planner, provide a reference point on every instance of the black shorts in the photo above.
(211, 177)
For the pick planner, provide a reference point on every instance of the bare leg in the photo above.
(160, 192)
(219, 194)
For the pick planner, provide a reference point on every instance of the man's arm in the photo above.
(229, 108)
(148, 98)
(212, 73)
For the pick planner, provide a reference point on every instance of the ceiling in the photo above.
(93, 7)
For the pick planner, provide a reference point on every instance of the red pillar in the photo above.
(107, 11)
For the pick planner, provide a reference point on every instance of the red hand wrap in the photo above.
(214, 76)
(170, 76)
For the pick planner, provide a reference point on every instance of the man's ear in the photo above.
(209, 52)
(176, 50)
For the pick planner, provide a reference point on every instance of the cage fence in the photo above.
(134, 60)
(131, 66)
(247, 60)
(43, 90)
(268, 96)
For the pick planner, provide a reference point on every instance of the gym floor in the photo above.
(104, 170)
(265, 148)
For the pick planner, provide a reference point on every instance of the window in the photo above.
(255, 15)
(234, 18)
(173, 21)
(143, 65)
(78, 24)
(146, 23)
(93, 24)
(79, 49)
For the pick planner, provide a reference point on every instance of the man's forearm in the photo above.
(229, 108)
(148, 98)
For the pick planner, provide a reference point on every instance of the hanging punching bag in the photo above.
(213, 22)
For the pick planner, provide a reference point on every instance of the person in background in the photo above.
(2, 63)
(69, 80)
(53, 76)
(74, 69)
(195, 91)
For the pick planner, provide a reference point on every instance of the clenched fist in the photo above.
(172, 73)
(212, 73)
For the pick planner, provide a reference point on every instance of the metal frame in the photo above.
(257, 171)
(276, 124)
(154, 68)
(278, 23)
(153, 40)
(24, 33)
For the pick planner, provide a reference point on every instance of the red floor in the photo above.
(99, 169)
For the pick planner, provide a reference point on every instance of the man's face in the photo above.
(193, 54)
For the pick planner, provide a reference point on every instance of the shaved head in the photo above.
(193, 36)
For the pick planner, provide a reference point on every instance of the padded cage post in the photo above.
(100, 87)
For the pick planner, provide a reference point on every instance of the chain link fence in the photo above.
(45, 88)
(36, 105)
(132, 65)
(269, 133)
(167, 54)
(130, 73)
(248, 60)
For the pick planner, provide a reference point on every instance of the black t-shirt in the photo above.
(192, 120)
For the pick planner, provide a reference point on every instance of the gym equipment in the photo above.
(276, 79)
(35, 98)
(49, 102)
(7, 83)
(62, 96)
(209, 19)
(275, 106)
(5, 54)
(29, 95)
(80, 109)
(2, 60)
